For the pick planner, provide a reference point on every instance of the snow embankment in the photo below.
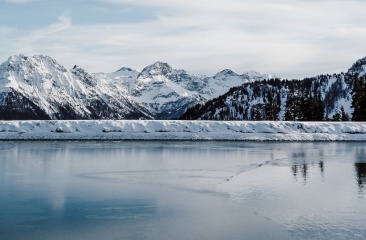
(182, 130)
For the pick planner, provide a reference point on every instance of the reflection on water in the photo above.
(321, 167)
(182, 190)
(360, 167)
(361, 175)
(314, 190)
(302, 169)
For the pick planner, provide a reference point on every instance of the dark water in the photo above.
(182, 190)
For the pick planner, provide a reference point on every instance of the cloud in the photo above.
(290, 38)
(295, 38)
(18, 1)
(32, 40)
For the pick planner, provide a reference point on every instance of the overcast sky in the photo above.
(289, 38)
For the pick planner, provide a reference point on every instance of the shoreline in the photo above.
(115, 130)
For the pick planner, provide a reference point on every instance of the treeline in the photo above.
(359, 99)
(311, 99)
(19, 107)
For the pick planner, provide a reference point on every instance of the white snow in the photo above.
(49, 85)
(182, 130)
(160, 88)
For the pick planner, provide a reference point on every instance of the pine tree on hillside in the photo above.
(305, 107)
(344, 115)
(363, 100)
(317, 108)
(337, 117)
(257, 112)
(359, 99)
(271, 108)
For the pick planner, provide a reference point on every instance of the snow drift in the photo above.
(182, 130)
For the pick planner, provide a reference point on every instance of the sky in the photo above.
(288, 38)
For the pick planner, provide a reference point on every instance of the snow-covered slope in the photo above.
(182, 130)
(312, 99)
(156, 90)
(39, 88)
(41, 84)
(168, 92)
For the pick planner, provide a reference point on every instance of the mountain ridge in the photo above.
(38, 87)
(324, 97)
(156, 92)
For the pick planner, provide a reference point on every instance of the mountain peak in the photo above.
(158, 68)
(16, 58)
(84, 76)
(359, 67)
(34, 63)
(125, 69)
(79, 70)
(76, 67)
(226, 73)
(257, 75)
(35, 59)
(160, 65)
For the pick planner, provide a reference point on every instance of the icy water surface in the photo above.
(182, 190)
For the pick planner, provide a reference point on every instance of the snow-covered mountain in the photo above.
(311, 99)
(167, 93)
(38, 87)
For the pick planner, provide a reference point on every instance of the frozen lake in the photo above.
(182, 190)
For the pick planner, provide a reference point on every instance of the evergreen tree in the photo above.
(257, 113)
(293, 109)
(308, 109)
(318, 108)
(337, 117)
(362, 105)
(271, 109)
(344, 115)
(358, 99)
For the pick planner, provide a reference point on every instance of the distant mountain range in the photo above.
(38, 87)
